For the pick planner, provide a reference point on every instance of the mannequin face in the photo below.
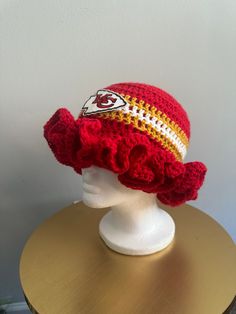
(101, 188)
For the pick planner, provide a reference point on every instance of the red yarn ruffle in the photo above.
(141, 163)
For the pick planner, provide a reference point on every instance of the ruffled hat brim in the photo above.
(139, 162)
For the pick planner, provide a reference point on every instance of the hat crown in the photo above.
(158, 98)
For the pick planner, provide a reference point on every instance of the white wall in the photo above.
(57, 53)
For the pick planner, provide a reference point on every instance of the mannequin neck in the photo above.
(139, 215)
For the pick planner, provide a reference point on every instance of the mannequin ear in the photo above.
(187, 188)
(60, 133)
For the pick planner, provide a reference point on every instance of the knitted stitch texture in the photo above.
(144, 140)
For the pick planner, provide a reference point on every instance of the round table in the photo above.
(66, 268)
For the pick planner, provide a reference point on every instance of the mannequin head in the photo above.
(135, 225)
(101, 188)
(141, 134)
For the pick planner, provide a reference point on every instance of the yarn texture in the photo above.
(139, 132)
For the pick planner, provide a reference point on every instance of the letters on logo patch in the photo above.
(104, 100)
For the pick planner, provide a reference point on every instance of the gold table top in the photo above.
(65, 268)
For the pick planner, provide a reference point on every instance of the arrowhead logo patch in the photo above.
(104, 100)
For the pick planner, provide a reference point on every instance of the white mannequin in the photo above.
(135, 225)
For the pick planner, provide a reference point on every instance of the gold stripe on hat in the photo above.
(154, 112)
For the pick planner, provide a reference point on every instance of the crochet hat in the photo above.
(135, 130)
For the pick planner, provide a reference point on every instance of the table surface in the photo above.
(66, 268)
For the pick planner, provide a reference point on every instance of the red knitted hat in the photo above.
(136, 130)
